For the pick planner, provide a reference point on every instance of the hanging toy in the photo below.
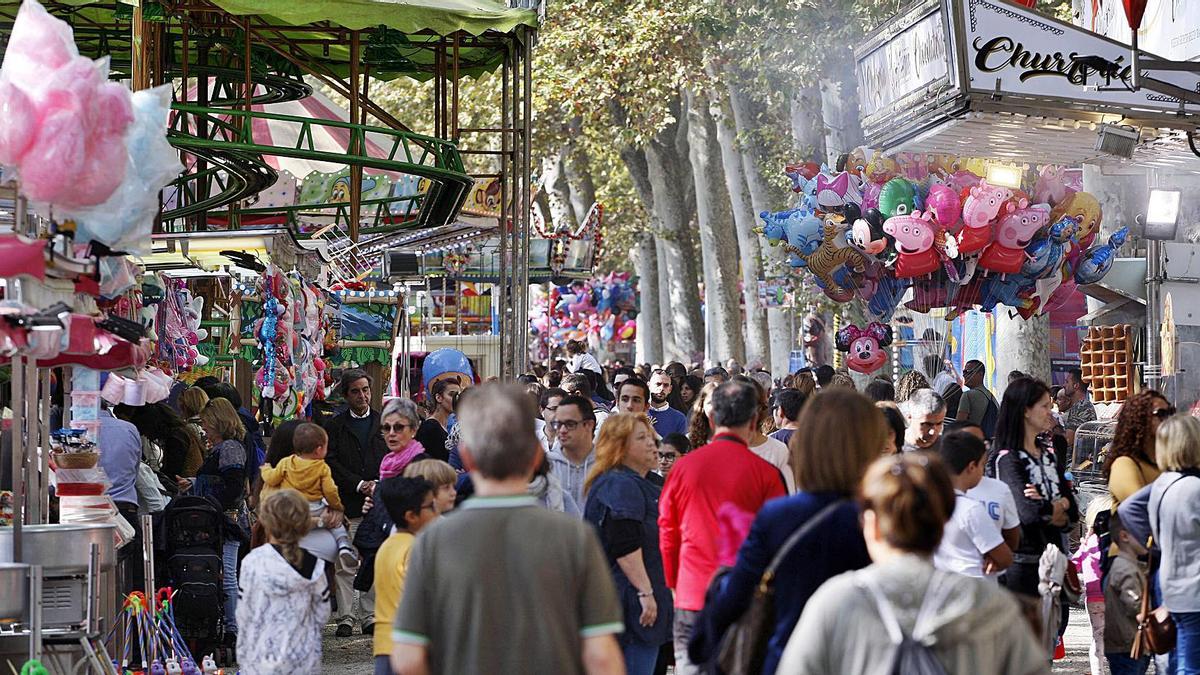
(865, 346)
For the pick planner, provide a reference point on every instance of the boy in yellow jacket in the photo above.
(307, 473)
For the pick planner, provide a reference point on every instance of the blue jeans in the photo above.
(229, 556)
(1187, 645)
(639, 658)
(383, 665)
(1122, 664)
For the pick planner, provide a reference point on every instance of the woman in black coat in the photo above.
(1024, 459)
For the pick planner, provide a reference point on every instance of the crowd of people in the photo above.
(632, 519)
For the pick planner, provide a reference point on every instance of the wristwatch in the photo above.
(645, 595)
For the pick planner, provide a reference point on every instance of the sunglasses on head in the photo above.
(1164, 413)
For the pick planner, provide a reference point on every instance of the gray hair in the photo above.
(497, 432)
(922, 402)
(404, 408)
(763, 379)
(735, 403)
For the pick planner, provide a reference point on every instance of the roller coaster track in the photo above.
(230, 144)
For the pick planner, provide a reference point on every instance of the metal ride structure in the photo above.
(227, 59)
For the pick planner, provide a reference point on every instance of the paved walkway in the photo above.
(352, 656)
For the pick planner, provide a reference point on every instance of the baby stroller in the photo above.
(193, 533)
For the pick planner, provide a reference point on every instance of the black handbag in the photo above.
(743, 648)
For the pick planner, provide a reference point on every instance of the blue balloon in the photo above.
(1098, 260)
(443, 361)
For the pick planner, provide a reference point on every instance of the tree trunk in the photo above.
(579, 171)
(805, 116)
(749, 249)
(558, 192)
(669, 172)
(839, 106)
(718, 243)
(648, 340)
(663, 288)
(779, 320)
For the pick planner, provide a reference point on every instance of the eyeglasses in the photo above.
(1164, 413)
(569, 425)
(389, 428)
(668, 455)
(429, 506)
(551, 408)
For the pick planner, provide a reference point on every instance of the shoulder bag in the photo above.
(743, 648)
(1156, 628)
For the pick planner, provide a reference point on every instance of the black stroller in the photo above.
(193, 532)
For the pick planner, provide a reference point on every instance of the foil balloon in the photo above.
(1084, 208)
(1045, 256)
(914, 235)
(444, 364)
(864, 346)
(1014, 232)
(897, 198)
(945, 205)
(1099, 260)
(983, 203)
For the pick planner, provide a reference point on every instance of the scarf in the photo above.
(393, 463)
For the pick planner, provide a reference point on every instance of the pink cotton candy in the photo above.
(18, 123)
(56, 159)
(102, 173)
(38, 44)
(112, 109)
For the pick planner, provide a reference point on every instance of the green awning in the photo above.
(397, 34)
(443, 17)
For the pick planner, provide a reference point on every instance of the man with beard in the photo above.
(666, 419)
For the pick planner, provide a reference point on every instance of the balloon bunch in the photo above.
(601, 310)
(930, 226)
(78, 140)
(176, 322)
(290, 335)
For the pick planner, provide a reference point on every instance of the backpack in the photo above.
(912, 656)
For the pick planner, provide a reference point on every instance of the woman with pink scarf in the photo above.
(398, 423)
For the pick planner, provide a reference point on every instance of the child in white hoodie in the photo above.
(283, 596)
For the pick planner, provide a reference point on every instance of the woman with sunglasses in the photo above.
(1130, 465)
(399, 424)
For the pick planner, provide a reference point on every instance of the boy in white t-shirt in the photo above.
(971, 543)
(996, 497)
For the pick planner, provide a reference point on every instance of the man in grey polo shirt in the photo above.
(504, 585)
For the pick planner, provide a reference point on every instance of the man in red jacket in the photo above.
(708, 504)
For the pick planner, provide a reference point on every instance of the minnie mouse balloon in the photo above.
(865, 346)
